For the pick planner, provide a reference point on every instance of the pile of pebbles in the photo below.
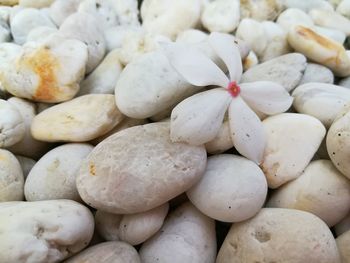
(187, 131)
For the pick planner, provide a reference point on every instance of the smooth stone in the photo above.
(153, 169)
(54, 229)
(186, 236)
(334, 34)
(5, 33)
(53, 176)
(104, 78)
(250, 61)
(343, 242)
(61, 9)
(26, 164)
(222, 141)
(286, 70)
(261, 10)
(133, 228)
(253, 33)
(41, 33)
(11, 178)
(344, 8)
(169, 18)
(26, 20)
(36, 3)
(107, 252)
(165, 86)
(321, 100)
(124, 124)
(55, 68)
(115, 36)
(12, 124)
(221, 15)
(28, 146)
(232, 189)
(330, 19)
(276, 39)
(9, 2)
(320, 49)
(85, 27)
(338, 142)
(292, 17)
(342, 226)
(79, 120)
(345, 82)
(5, 13)
(308, 5)
(317, 73)
(280, 235)
(321, 190)
(286, 156)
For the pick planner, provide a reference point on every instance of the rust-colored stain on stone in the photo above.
(44, 64)
(310, 34)
(92, 169)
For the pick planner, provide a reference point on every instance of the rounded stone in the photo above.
(54, 175)
(232, 189)
(280, 235)
(140, 160)
(321, 190)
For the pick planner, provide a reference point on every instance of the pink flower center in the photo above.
(233, 89)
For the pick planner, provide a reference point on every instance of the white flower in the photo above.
(197, 119)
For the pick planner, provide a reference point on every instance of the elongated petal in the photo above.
(197, 119)
(247, 131)
(194, 66)
(266, 96)
(225, 47)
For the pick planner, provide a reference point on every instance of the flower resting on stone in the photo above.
(197, 119)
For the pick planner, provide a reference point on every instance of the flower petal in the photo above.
(247, 131)
(266, 96)
(225, 47)
(194, 66)
(197, 119)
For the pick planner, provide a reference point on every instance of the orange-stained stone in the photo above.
(92, 169)
(45, 65)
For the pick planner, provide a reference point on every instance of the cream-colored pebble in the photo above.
(320, 100)
(43, 231)
(286, 156)
(186, 236)
(9, 2)
(292, 17)
(334, 34)
(280, 235)
(232, 189)
(320, 49)
(53, 176)
(321, 190)
(344, 8)
(261, 10)
(221, 15)
(79, 120)
(26, 164)
(40, 33)
(12, 125)
(11, 178)
(61, 9)
(169, 18)
(343, 225)
(317, 73)
(343, 242)
(330, 19)
(308, 5)
(141, 160)
(222, 141)
(107, 252)
(36, 3)
(104, 78)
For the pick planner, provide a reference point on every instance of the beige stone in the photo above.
(343, 242)
(262, 9)
(140, 160)
(79, 120)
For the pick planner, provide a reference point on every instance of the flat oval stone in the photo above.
(280, 235)
(232, 189)
(53, 176)
(286, 70)
(317, 73)
(54, 229)
(107, 252)
(186, 236)
(320, 100)
(343, 243)
(320, 49)
(321, 190)
(330, 19)
(140, 160)
(285, 155)
(79, 120)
